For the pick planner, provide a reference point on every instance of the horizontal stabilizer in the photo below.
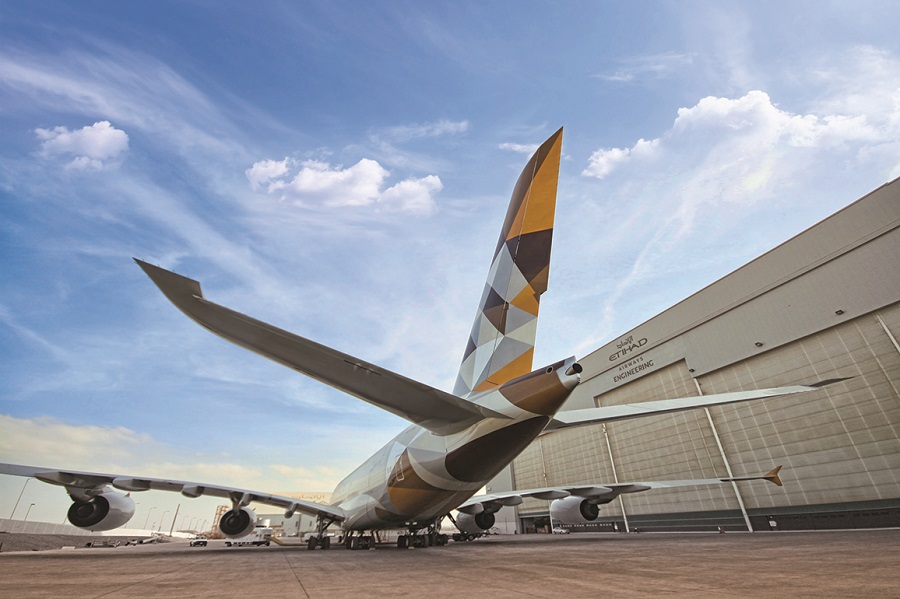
(827, 382)
(665, 406)
(603, 492)
(771, 476)
(436, 410)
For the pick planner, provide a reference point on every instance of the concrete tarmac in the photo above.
(798, 564)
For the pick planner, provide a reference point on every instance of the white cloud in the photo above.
(45, 440)
(52, 443)
(357, 185)
(604, 161)
(737, 141)
(129, 88)
(93, 147)
(436, 129)
(519, 148)
(863, 80)
(384, 142)
(698, 200)
(264, 172)
(754, 118)
(315, 182)
(655, 66)
(412, 195)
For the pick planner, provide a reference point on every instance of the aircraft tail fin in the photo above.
(501, 345)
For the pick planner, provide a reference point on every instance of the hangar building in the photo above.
(822, 305)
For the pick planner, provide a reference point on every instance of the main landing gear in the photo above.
(431, 538)
(320, 539)
(359, 541)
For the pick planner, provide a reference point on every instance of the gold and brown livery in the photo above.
(501, 344)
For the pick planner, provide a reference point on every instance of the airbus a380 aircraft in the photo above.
(455, 443)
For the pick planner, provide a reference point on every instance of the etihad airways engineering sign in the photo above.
(632, 367)
(627, 346)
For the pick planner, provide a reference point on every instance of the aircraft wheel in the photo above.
(326, 543)
(402, 542)
(311, 543)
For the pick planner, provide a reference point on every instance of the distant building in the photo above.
(296, 526)
(824, 304)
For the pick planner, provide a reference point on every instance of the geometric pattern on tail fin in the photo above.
(501, 345)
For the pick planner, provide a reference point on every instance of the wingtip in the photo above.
(145, 266)
(176, 287)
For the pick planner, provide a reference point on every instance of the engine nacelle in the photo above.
(475, 524)
(235, 525)
(574, 510)
(105, 511)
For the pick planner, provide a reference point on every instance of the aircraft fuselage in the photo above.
(419, 476)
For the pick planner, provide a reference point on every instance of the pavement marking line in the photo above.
(294, 572)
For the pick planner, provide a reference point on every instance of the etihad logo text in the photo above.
(626, 346)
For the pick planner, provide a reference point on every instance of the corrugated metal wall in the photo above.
(825, 304)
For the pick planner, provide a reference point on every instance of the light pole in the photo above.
(174, 519)
(161, 520)
(147, 519)
(27, 480)
(28, 512)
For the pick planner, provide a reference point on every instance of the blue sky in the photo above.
(341, 170)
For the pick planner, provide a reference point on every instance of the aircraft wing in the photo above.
(587, 416)
(75, 480)
(439, 412)
(603, 491)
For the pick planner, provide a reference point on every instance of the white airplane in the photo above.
(455, 443)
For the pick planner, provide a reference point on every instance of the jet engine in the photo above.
(105, 511)
(235, 525)
(574, 510)
(475, 524)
